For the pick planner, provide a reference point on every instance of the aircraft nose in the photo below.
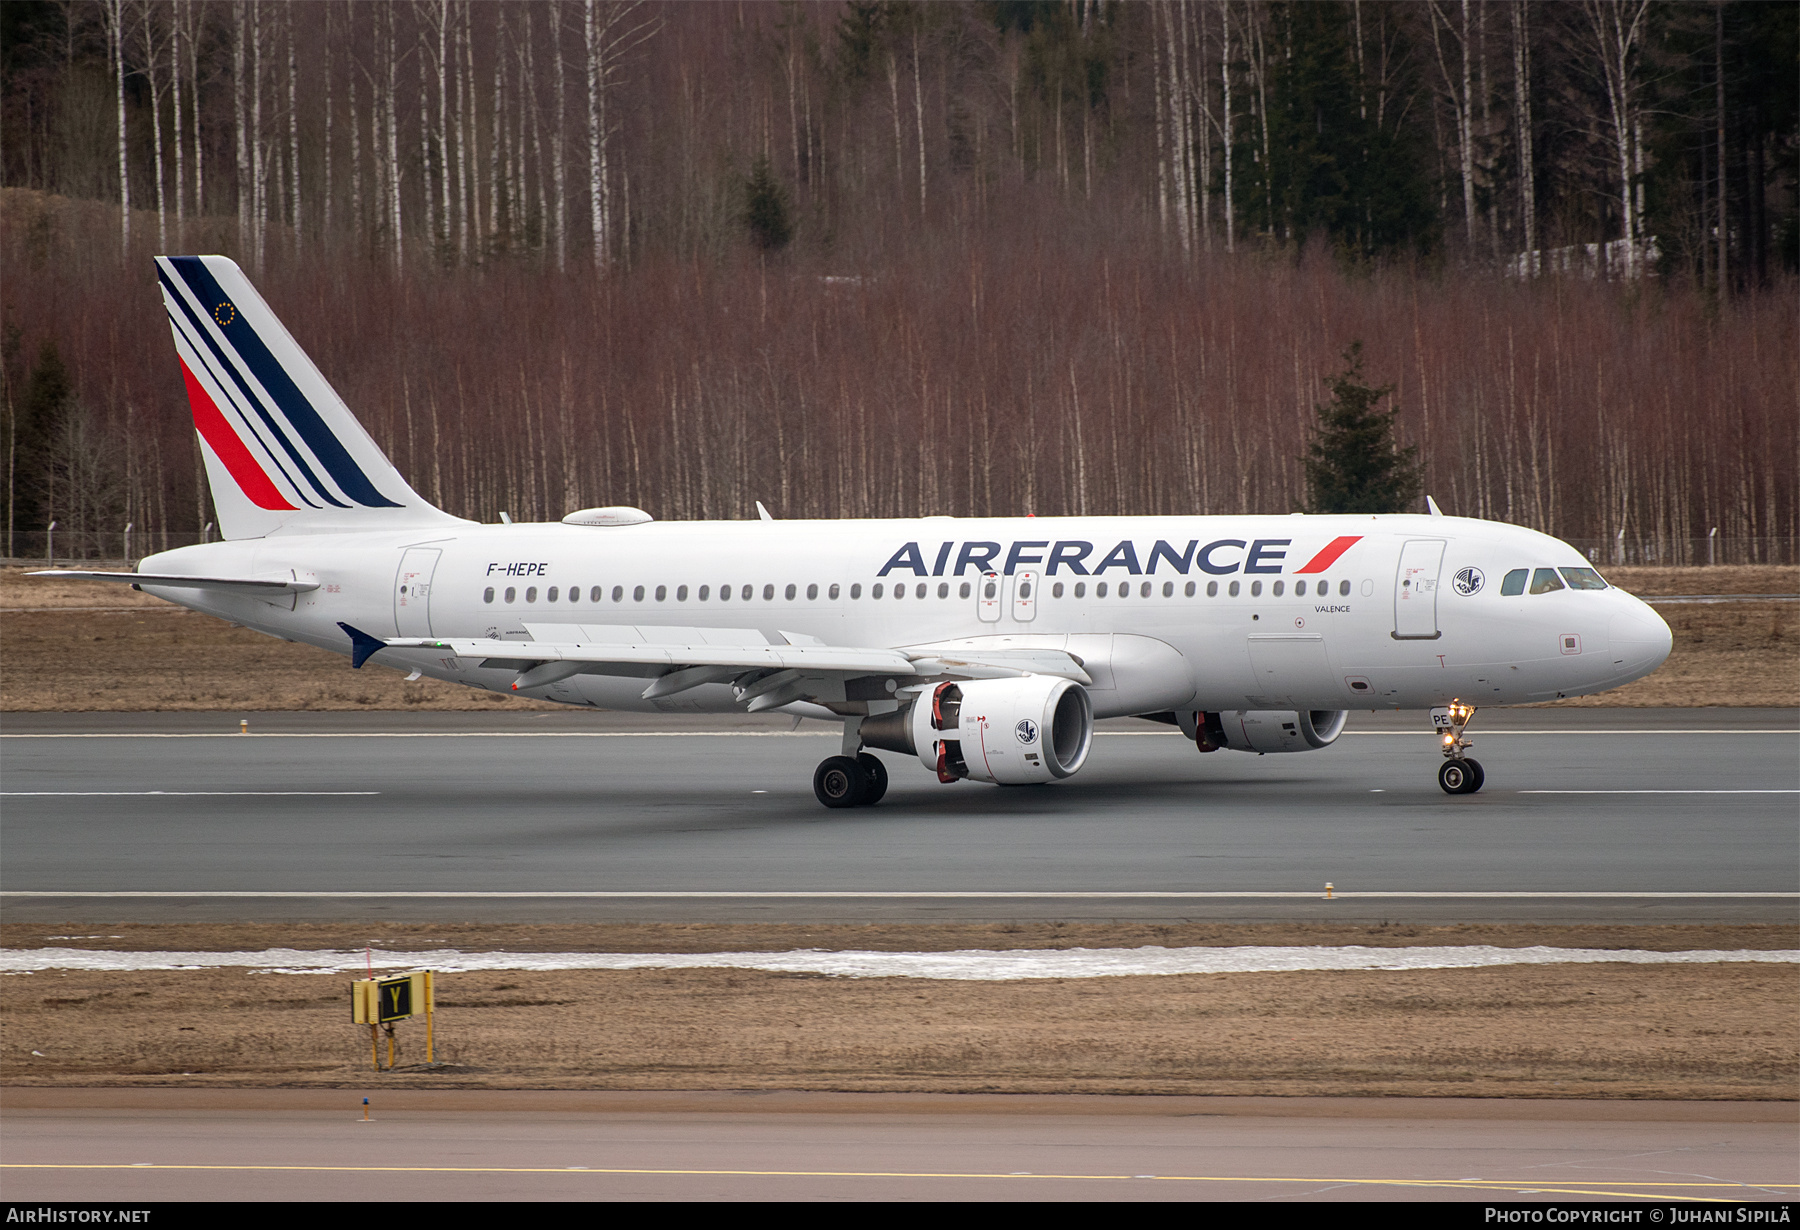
(1641, 641)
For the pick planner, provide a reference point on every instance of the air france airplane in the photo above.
(985, 647)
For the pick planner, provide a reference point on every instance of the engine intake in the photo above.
(1011, 732)
(1274, 730)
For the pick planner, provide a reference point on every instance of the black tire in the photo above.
(1480, 776)
(1455, 777)
(840, 781)
(876, 774)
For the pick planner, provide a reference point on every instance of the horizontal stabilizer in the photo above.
(260, 586)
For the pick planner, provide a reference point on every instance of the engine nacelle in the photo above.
(1274, 730)
(1011, 732)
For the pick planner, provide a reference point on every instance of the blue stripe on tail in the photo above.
(221, 368)
(293, 404)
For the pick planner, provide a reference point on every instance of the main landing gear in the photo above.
(850, 781)
(1458, 774)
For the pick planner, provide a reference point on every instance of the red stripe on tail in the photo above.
(1329, 556)
(250, 477)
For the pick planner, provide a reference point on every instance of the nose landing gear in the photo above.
(1458, 774)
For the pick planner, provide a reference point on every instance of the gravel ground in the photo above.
(1728, 1031)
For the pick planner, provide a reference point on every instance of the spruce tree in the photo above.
(766, 208)
(1353, 464)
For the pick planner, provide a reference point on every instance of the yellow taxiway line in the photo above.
(1663, 1190)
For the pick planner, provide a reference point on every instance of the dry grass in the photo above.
(76, 647)
(86, 647)
(1603, 1031)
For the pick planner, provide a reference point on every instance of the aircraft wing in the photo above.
(251, 585)
(999, 664)
(767, 669)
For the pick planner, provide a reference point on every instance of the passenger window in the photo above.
(875, 590)
(1514, 584)
(487, 595)
(920, 591)
(531, 594)
(1300, 588)
(662, 593)
(1190, 589)
(943, 589)
(788, 593)
(768, 593)
(551, 596)
(856, 591)
(832, 593)
(962, 590)
(1343, 589)
(812, 593)
(724, 593)
(748, 592)
(618, 593)
(594, 594)
(1081, 589)
(1168, 589)
(1100, 590)
(511, 595)
(637, 594)
(1256, 589)
(1277, 588)
(681, 594)
(705, 593)
(1583, 578)
(1056, 591)
(1025, 589)
(1233, 591)
(1545, 581)
(1212, 589)
(1144, 590)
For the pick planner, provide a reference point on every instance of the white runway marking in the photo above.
(1657, 792)
(856, 895)
(1422, 732)
(230, 794)
(968, 965)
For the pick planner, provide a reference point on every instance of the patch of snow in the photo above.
(971, 965)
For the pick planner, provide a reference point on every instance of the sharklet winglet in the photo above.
(362, 645)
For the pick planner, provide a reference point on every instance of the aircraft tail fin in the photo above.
(282, 449)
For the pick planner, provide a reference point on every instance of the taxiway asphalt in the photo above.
(1588, 814)
(192, 1144)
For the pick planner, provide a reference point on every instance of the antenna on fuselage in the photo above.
(1432, 508)
(763, 512)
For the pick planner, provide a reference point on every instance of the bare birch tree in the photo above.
(153, 55)
(611, 30)
(113, 11)
(1617, 26)
(1461, 103)
(1522, 118)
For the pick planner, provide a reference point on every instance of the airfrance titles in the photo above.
(1219, 558)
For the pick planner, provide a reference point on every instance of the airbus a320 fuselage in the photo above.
(985, 647)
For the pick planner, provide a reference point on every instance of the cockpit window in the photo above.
(1514, 584)
(1583, 578)
(1545, 581)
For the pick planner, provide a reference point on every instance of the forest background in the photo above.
(893, 259)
